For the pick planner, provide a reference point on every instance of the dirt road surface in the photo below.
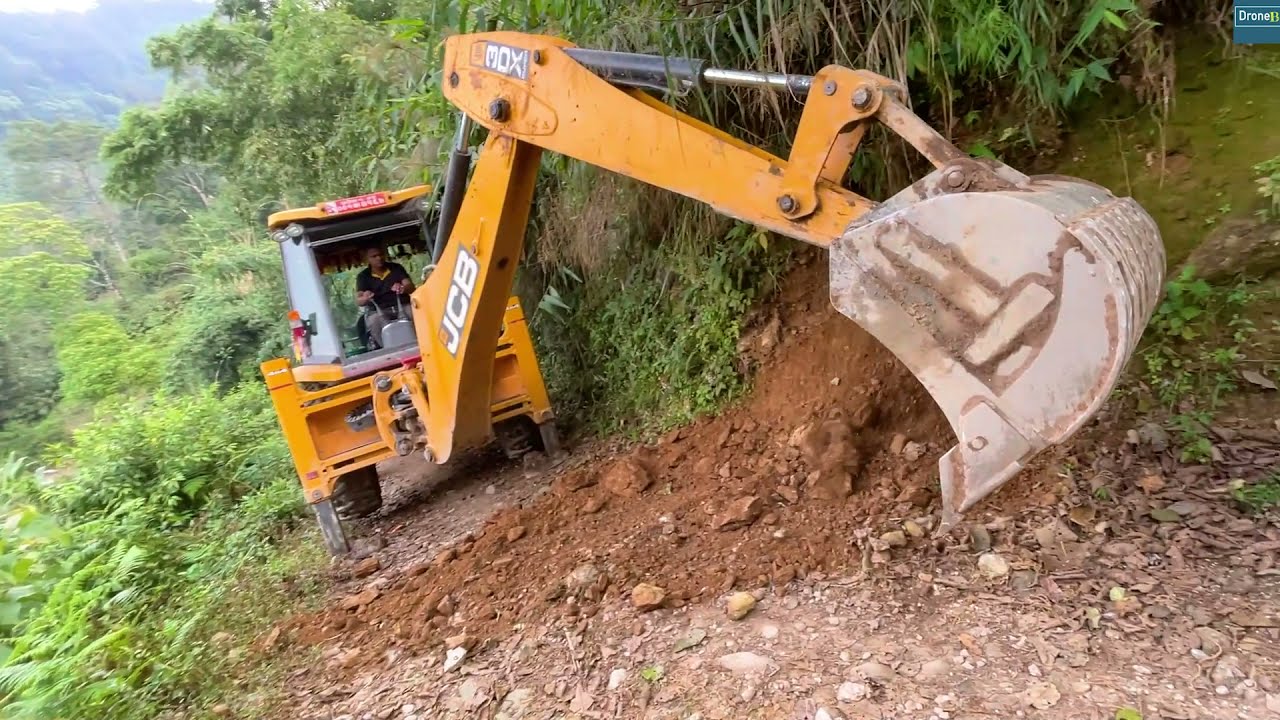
(779, 561)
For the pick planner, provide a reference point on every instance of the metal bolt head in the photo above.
(499, 110)
(537, 57)
(786, 203)
(453, 79)
(829, 87)
(382, 383)
(955, 178)
(862, 98)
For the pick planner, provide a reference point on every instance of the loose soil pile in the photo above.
(836, 436)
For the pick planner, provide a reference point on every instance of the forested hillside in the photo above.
(141, 292)
(84, 66)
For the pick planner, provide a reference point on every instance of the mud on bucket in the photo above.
(1016, 305)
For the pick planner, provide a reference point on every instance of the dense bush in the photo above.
(172, 517)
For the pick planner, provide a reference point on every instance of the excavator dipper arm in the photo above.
(1015, 300)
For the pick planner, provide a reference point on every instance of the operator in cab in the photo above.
(382, 291)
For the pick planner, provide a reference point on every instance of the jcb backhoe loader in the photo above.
(339, 413)
(1015, 300)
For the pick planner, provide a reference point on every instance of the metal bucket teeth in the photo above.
(1016, 307)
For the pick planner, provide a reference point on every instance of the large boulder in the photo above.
(1238, 247)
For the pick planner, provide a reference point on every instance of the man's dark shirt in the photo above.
(383, 296)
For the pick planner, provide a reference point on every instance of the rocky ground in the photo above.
(778, 561)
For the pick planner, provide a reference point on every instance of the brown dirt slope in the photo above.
(812, 442)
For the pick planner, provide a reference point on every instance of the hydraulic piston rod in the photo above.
(677, 74)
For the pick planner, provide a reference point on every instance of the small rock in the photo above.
(879, 672)
(582, 577)
(748, 693)
(366, 546)
(913, 529)
(740, 603)
(514, 704)
(826, 713)
(980, 538)
(221, 710)
(444, 606)
(366, 567)
(1024, 579)
(445, 557)
(1227, 671)
(897, 444)
(913, 451)
(616, 678)
(646, 597)
(895, 538)
(1042, 696)
(220, 639)
(1213, 642)
(1155, 436)
(692, 640)
(627, 478)
(915, 495)
(993, 565)
(453, 658)
(490, 490)
(515, 533)
(788, 493)
(800, 434)
(849, 691)
(350, 658)
(360, 599)
(934, 669)
(769, 632)
(461, 640)
(744, 662)
(740, 513)
(593, 505)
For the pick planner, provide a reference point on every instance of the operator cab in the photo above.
(322, 249)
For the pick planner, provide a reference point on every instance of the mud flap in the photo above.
(335, 538)
(1016, 301)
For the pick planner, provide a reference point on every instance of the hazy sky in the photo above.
(45, 5)
(14, 6)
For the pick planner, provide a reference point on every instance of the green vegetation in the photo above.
(1269, 188)
(142, 294)
(1194, 352)
(1187, 162)
(1259, 496)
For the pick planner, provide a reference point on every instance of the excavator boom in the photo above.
(1015, 300)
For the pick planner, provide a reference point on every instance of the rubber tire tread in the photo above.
(357, 494)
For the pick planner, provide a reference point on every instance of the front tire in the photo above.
(357, 494)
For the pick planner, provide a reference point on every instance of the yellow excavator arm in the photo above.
(1015, 300)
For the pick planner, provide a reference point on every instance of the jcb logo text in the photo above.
(458, 302)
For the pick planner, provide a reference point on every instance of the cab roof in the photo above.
(345, 207)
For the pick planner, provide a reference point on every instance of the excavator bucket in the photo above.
(1015, 300)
